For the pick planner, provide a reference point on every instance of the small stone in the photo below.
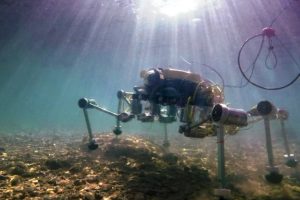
(98, 195)
(52, 181)
(75, 169)
(19, 196)
(87, 196)
(57, 164)
(78, 182)
(52, 164)
(92, 179)
(50, 190)
(2, 178)
(106, 187)
(15, 180)
(19, 169)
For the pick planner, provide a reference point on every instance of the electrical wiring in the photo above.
(209, 67)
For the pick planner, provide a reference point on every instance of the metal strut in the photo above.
(166, 143)
(221, 192)
(221, 156)
(273, 176)
(269, 143)
(92, 145)
(290, 158)
(117, 130)
(88, 124)
(85, 104)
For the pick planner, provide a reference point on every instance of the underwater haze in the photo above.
(54, 52)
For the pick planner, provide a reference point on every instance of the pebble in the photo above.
(52, 164)
(57, 164)
(52, 181)
(75, 169)
(78, 182)
(20, 170)
(31, 191)
(19, 196)
(87, 196)
(92, 179)
(98, 195)
(2, 177)
(15, 180)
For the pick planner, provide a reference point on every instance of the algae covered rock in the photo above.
(19, 169)
(53, 164)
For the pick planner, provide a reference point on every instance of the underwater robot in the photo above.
(171, 95)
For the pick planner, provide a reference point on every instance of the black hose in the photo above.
(220, 76)
(255, 84)
(271, 51)
(253, 64)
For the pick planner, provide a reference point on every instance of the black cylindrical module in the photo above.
(136, 107)
(120, 94)
(155, 109)
(83, 102)
(172, 111)
(86, 103)
(229, 116)
(265, 108)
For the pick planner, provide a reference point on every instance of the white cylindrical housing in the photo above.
(229, 116)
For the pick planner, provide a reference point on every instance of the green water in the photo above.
(53, 53)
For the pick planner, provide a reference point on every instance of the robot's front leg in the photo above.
(117, 130)
(92, 145)
(85, 104)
